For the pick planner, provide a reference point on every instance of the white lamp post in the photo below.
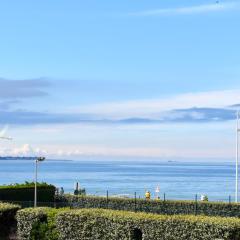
(39, 159)
(237, 153)
(157, 191)
(2, 133)
(4, 137)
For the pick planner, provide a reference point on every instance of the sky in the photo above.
(120, 79)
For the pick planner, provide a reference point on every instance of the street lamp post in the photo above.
(237, 155)
(39, 159)
(5, 138)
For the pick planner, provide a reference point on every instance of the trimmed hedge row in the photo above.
(37, 223)
(7, 219)
(25, 185)
(168, 207)
(93, 224)
(107, 225)
(25, 192)
(27, 219)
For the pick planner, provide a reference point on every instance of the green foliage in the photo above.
(81, 191)
(26, 184)
(7, 208)
(47, 229)
(91, 224)
(37, 224)
(28, 220)
(155, 206)
(7, 218)
(25, 192)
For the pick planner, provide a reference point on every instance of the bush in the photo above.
(28, 219)
(81, 191)
(37, 224)
(25, 185)
(7, 219)
(155, 206)
(92, 224)
(25, 192)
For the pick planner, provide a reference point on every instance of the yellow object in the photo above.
(147, 195)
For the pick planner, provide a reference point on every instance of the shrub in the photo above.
(81, 191)
(25, 192)
(28, 219)
(92, 224)
(37, 224)
(155, 206)
(7, 219)
(25, 185)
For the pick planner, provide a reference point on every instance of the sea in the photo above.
(176, 180)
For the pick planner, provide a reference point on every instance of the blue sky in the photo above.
(120, 79)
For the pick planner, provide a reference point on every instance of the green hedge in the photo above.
(25, 192)
(28, 219)
(102, 224)
(156, 206)
(7, 219)
(37, 223)
(25, 185)
(93, 224)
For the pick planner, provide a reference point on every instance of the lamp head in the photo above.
(6, 138)
(40, 159)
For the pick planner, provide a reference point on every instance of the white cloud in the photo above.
(154, 107)
(199, 9)
(67, 152)
(23, 151)
(82, 152)
(77, 141)
(160, 140)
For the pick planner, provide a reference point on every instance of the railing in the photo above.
(135, 204)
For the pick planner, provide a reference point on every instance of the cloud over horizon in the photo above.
(187, 115)
(23, 151)
(189, 10)
(190, 107)
(20, 89)
(133, 128)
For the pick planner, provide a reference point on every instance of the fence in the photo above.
(173, 195)
(142, 205)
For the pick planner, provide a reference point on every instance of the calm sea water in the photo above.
(177, 179)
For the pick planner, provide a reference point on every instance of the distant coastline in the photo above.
(28, 158)
(17, 158)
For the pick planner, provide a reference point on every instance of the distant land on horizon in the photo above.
(16, 158)
(27, 158)
(134, 160)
